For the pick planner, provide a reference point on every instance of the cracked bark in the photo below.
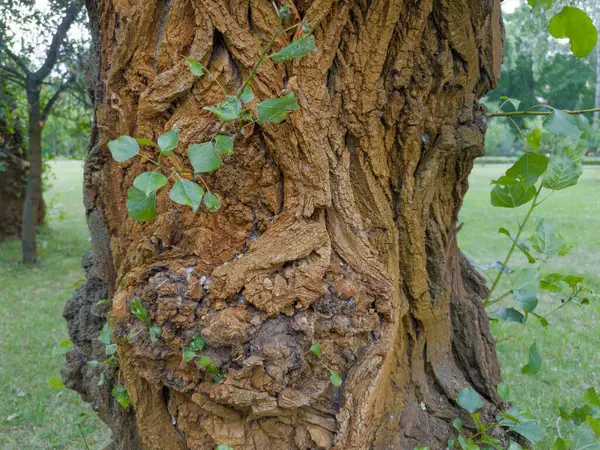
(338, 226)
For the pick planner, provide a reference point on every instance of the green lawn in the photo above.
(34, 416)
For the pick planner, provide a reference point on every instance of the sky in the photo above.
(509, 6)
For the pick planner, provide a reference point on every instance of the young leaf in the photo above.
(512, 196)
(534, 138)
(141, 207)
(196, 68)
(145, 141)
(247, 95)
(224, 145)
(149, 182)
(457, 424)
(526, 283)
(513, 101)
(469, 400)
(535, 4)
(168, 141)
(504, 392)
(553, 282)
(211, 202)
(591, 397)
(275, 110)
(104, 336)
(529, 430)
(575, 24)
(186, 192)
(510, 315)
(123, 148)
(63, 348)
(56, 382)
(560, 444)
(560, 123)
(297, 49)
(204, 158)
(514, 446)
(188, 355)
(212, 369)
(528, 168)
(203, 361)
(227, 111)
(335, 378)
(110, 350)
(197, 343)
(562, 172)
(138, 309)
(547, 241)
(316, 349)
(121, 395)
(154, 333)
(223, 447)
(535, 362)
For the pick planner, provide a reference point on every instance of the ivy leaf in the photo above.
(197, 343)
(224, 145)
(121, 395)
(335, 378)
(141, 207)
(203, 361)
(316, 349)
(247, 95)
(528, 168)
(196, 68)
(469, 400)
(591, 397)
(104, 335)
(228, 110)
(144, 141)
(534, 138)
(575, 24)
(204, 158)
(533, 366)
(149, 182)
(512, 196)
(56, 382)
(168, 141)
(186, 192)
(526, 283)
(510, 315)
(211, 202)
(562, 172)
(275, 110)
(188, 355)
(547, 241)
(504, 392)
(123, 148)
(560, 123)
(297, 49)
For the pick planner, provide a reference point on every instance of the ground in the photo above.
(35, 416)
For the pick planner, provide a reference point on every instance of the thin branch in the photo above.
(13, 72)
(17, 60)
(48, 108)
(540, 113)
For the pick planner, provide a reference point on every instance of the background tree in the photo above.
(33, 80)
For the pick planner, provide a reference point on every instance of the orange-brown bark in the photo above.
(338, 226)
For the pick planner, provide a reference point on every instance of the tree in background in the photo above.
(56, 22)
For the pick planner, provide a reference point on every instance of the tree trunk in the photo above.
(33, 194)
(338, 226)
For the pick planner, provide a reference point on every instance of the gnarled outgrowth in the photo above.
(338, 226)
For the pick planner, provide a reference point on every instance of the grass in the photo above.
(569, 344)
(35, 416)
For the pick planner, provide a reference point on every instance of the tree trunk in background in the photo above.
(337, 226)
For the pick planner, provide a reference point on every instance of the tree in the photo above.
(338, 226)
(32, 81)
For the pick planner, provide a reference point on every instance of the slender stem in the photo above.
(149, 160)
(502, 297)
(520, 132)
(83, 436)
(528, 112)
(512, 248)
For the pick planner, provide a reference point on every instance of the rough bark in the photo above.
(337, 226)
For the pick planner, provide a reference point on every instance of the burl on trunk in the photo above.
(338, 226)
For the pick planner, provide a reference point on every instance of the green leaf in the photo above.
(510, 315)
(213, 369)
(579, 414)
(197, 343)
(123, 148)
(594, 424)
(121, 395)
(562, 124)
(56, 382)
(562, 172)
(573, 280)
(211, 202)
(155, 332)
(138, 310)
(203, 361)
(535, 363)
(528, 168)
(591, 397)
(149, 182)
(512, 196)
(530, 430)
(457, 424)
(275, 110)
(144, 141)
(188, 355)
(420, 447)
(223, 447)
(584, 439)
(536, 4)
(335, 378)
(224, 145)
(520, 245)
(547, 241)
(513, 101)
(560, 444)
(553, 282)
(63, 348)
(542, 319)
(196, 68)
(514, 446)
(227, 111)
(534, 138)
(186, 192)
(247, 95)
(469, 400)
(316, 349)
(504, 392)
(168, 141)
(104, 336)
(526, 283)
(110, 350)
(204, 158)
(141, 207)
(575, 24)
(297, 49)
